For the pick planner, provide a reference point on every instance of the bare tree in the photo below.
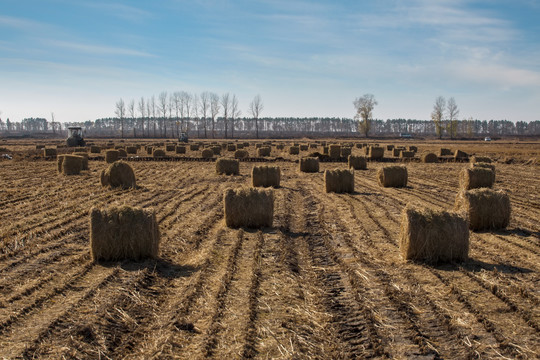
(364, 112)
(204, 106)
(214, 110)
(120, 113)
(131, 112)
(176, 96)
(142, 109)
(235, 112)
(437, 115)
(53, 125)
(453, 113)
(153, 112)
(195, 112)
(225, 102)
(163, 111)
(255, 108)
(188, 102)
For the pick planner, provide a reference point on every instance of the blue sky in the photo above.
(305, 58)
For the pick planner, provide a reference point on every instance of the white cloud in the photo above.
(97, 49)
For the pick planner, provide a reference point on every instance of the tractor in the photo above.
(183, 137)
(75, 137)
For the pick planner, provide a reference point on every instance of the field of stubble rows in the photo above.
(325, 282)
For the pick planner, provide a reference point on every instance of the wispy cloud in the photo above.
(97, 49)
(119, 10)
(24, 24)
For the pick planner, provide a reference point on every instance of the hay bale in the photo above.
(339, 181)
(476, 177)
(325, 150)
(389, 147)
(396, 152)
(392, 176)
(122, 154)
(430, 158)
(345, 152)
(240, 146)
(433, 236)
(95, 149)
(309, 164)
(59, 161)
(157, 153)
(485, 208)
(118, 174)
(266, 176)
(480, 159)
(460, 155)
(304, 147)
(84, 155)
(72, 165)
(231, 147)
(413, 148)
(227, 166)
(294, 150)
(216, 149)
(484, 165)
(334, 151)
(406, 154)
(313, 146)
(241, 154)
(207, 154)
(170, 147)
(49, 152)
(357, 162)
(131, 149)
(111, 156)
(376, 152)
(123, 233)
(249, 207)
(445, 152)
(180, 149)
(280, 146)
(264, 151)
(194, 147)
(149, 150)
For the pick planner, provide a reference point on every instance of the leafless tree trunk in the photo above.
(177, 104)
(163, 110)
(225, 102)
(235, 113)
(453, 113)
(142, 108)
(120, 112)
(188, 103)
(153, 112)
(255, 108)
(437, 115)
(214, 110)
(52, 123)
(205, 104)
(364, 107)
(195, 109)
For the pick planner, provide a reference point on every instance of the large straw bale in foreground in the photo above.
(227, 166)
(72, 165)
(339, 181)
(309, 164)
(476, 177)
(118, 174)
(123, 233)
(266, 176)
(484, 165)
(433, 236)
(357, 162)
(111, 156)
(486, 208)
(392, 176)
(249, 207)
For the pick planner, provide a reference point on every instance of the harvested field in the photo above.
(326, 281)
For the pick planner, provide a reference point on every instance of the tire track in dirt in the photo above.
(489, 328)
